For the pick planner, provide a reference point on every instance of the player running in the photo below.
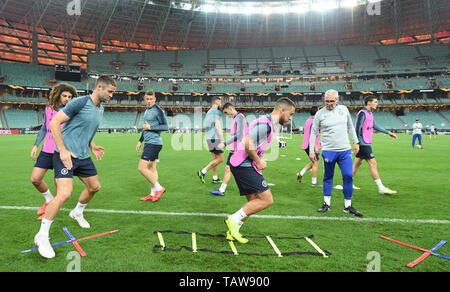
(81, 118)
(365, 124)
(155, 122)
(214, 137)
(247, 165)
(305, 146)
(59, 96)
(238, 130)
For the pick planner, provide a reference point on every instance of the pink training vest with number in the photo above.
(240, 155)
(307, 129)
(234, 146)
(49, 143)
(367, 127)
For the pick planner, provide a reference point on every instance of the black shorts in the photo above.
(213, 146)
(151, 152)
(365, 152)
(44, 160)
(248, 180)
(307, 153)
(80, 167)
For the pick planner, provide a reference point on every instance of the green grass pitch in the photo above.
(418, 214)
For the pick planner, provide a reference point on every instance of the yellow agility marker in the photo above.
(233, 248)
(194, 242)
(316, 247)
(161, 240)
(275, 248)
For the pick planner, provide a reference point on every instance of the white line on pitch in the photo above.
(392, 220)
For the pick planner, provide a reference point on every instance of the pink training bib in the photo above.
(307, 130)
(49, 143)
(367, 127)
(240, 155)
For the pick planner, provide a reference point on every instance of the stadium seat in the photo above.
(21, 119)
(112, 120)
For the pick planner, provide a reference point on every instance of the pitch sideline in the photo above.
(162, 213)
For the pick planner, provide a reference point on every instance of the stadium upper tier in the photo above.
(256, 70)
(305, 60)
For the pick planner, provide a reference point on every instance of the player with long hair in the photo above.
(59, 96)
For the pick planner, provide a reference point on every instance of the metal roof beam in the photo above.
(102, 26)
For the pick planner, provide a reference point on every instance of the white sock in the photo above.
(379, 184)
(327, 200)
(45, 226)
(240, 225)
(347, 203)
(152, 192)
(302, 172)
(314, 180)
(222, 188)
(158, 187)
(80, 208)
(48, 196)
(238, 216)
(204, 171)
(215, 177)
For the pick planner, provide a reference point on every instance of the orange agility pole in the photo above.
(75, 241)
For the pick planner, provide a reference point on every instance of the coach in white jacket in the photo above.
(335, 124)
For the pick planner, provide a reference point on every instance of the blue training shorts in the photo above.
(151, 152)
(44, 160)
(80, 167)
(248, 180)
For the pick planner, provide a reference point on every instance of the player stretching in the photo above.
(238, 131)
(365, 124)
(247, 165)
(82, 117)
(155, 123)
(60, 95)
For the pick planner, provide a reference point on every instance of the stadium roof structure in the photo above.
(87, 26)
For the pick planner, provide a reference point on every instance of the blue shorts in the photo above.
(248, 180)
(80, 167)
(151, 152)
(44, 160)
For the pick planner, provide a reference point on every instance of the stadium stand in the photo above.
(388, 120)
(118, 120)
(21, 118)
(426, 118)
(27, 74)
(255, 84)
